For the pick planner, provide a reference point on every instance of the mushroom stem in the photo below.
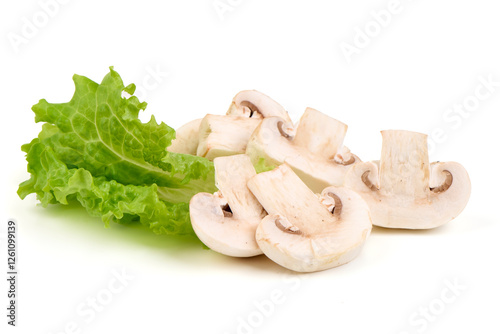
(224, 135)
(404, 165)
(232, 175)
(227, 220)
(320, 134)
(301, 232)
(281, 192)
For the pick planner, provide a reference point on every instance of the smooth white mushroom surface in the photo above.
(254, 104)
(303, 232)
(186, 138)
(403, 190)
(226, 221)
(314, 151)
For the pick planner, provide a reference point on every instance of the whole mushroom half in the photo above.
(226, 221)
(303, 232)
(403, 190)
(314, 151)
(254, 104)
(220, 135)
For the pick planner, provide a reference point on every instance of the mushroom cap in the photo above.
(300, 233)
(186, 138)
(225, 235)
(404, 191)
(226, 221)
(254, 104)
(273, 140)
(438, 208)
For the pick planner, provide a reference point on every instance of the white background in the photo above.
(428, 58)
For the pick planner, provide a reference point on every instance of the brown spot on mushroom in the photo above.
(254, 111)
(283, 131)
(337, 209)
(367, 181)
(339, 160)
(446, 184)
(226, 210)
(288, 228)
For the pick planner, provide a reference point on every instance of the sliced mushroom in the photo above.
(251, 103)
(315, 152)
(228, 135)
(224, 135)
(186, 138)
(304, 233)
(320, 134)
(403, 190)
(226, 221)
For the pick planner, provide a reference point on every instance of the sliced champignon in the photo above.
(228, 135)
(403, 190)
(226, 221)
(303, 232)
(224, 135)
(315, 152)
(186, 138)
(321, 135)
(252, 103)
(247, 104)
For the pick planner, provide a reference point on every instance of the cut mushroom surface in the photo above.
(254, 104)
(226, 221)
(305, 233)
(320, 134)
(223, 135)
(186, 138)
(403, 190)
(315, 150)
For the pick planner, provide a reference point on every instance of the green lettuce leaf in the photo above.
(263, 166)
(53, 183)
(95, 150)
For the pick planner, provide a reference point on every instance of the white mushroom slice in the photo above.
(403, 190)
(300, 233)
(251, 103)
(186, 138)
(226, 221)
(320, 134)
(224, 135)
(315, 153)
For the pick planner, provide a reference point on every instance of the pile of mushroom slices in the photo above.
(314, 207)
